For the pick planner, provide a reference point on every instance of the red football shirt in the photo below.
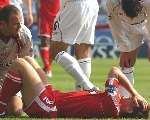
(3, 3)
(86, 104)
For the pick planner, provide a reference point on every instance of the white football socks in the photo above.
(71, 65)
(85, 64)
(129, 74)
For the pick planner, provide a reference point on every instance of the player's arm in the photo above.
(29, 15)
(123, 81)
(16, 65)
(37, 67)
(26, 39)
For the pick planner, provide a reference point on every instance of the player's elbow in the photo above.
(114, 72)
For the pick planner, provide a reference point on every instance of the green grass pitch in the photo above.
(100, 67)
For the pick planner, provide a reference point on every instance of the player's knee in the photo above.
(45, 41)
(19, 62)
(56, 47)
(54, 54)
(15, 106)
(114, 70)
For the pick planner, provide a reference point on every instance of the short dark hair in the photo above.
(138, 113)
(132, 7)
(6, 11)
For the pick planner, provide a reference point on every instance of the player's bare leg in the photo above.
(70, 64)
(57, 47)
(46, 55)
(32, 83)
(127, 61)
(36, 66)
(15, 106)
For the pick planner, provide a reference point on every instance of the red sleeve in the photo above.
(49, 7)
(47, 14)
(111, 88)
(112, 82)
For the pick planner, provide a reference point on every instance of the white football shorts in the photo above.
(76, 22)
(129, 34)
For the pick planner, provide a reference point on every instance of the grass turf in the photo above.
(100, 67)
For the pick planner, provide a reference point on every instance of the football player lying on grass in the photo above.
(40, 100)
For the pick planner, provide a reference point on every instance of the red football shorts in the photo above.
(43, 105)
(48, 11)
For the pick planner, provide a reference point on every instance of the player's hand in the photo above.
(29, 19)
(139, 101)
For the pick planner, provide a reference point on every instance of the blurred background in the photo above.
(104, 46)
